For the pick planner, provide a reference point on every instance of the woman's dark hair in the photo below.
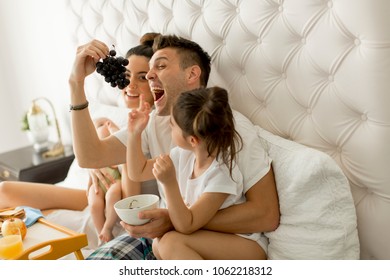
(206, 114)
(145, 46)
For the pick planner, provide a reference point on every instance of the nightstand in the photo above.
(25, 164)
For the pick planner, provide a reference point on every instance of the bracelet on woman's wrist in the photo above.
(78, 107)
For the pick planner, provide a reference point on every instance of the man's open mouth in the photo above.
(158, 93)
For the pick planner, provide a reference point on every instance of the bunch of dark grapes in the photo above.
(113, 70)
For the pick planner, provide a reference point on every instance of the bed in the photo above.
(313, 76)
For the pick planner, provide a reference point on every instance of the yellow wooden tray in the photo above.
(48, 241)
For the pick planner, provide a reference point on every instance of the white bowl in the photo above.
(137, 203)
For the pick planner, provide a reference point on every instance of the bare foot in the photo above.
(106, 235)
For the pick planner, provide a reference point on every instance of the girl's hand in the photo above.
(164, 170)
(138, 118)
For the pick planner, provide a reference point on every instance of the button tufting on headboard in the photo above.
(316, 72)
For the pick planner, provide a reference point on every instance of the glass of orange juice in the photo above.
(11, 246)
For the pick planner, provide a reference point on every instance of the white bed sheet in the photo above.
(81, 221)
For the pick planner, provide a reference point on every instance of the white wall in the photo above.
(36, 55)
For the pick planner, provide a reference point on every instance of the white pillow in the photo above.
(77, 177)
(117, 114)
(318, 217)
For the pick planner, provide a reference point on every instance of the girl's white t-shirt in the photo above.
(252, 160)
(215, 179)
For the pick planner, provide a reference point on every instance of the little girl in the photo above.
(199, 177)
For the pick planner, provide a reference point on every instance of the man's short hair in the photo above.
(190, 54)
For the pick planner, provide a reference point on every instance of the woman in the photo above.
(46, 196)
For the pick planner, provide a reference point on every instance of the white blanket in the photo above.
(79, 221)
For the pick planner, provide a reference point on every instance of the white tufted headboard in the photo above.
(313, 71)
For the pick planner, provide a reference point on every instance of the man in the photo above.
(177, 65)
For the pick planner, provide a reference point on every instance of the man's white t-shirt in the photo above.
(252, 160)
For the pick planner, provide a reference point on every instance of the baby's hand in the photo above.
(112, 127)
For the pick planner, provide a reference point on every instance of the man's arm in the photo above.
(260, 213)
